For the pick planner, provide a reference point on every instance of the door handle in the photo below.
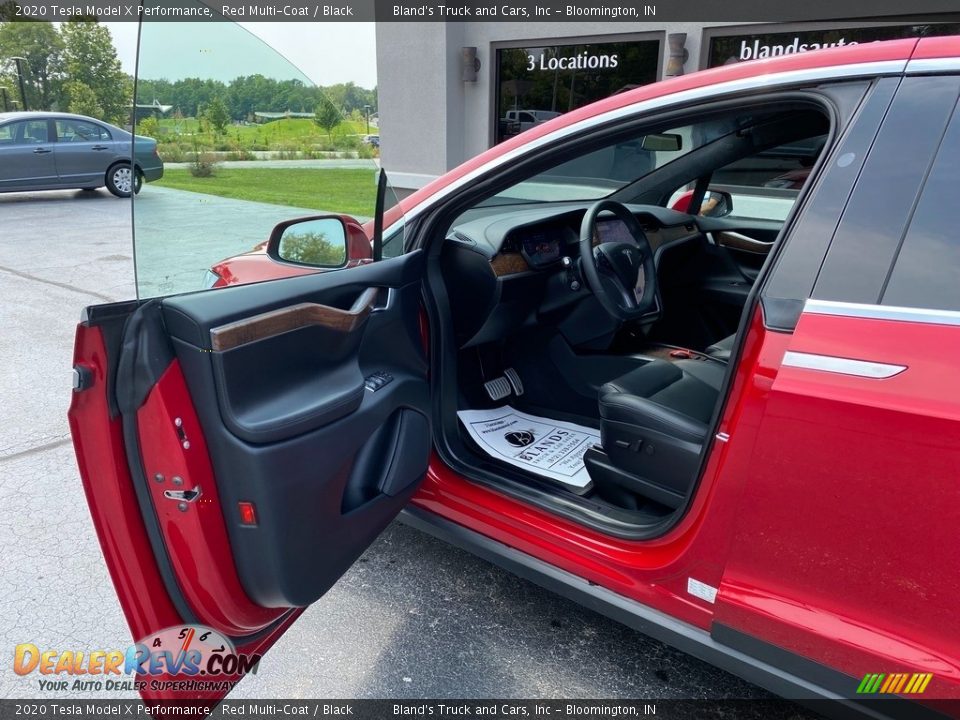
(99, 147)
(41, 151)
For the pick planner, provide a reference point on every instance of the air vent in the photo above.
(463, 238)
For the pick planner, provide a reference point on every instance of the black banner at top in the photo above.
(632, 11)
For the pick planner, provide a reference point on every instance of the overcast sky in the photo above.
(326, 53)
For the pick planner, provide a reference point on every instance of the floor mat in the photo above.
(549, 448)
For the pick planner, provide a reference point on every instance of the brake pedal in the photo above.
(514, 379)
(498, 388)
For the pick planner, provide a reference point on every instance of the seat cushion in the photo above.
(676, 399)
(722, 349)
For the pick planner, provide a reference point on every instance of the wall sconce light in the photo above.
(678, 54)
(470, 64)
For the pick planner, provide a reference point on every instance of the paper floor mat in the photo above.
(549, 448)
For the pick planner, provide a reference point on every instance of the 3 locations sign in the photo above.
(538, 83)
(727, 49)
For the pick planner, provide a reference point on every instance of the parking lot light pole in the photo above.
(6, 99)
(366, 110)
(23, 90)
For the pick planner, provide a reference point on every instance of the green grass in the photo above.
(284, 130)
(349, 191)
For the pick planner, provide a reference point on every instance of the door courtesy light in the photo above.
(248, 513)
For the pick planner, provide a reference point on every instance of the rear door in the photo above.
(241, 447)
(843, 564)
(26, 155)
(84, 150)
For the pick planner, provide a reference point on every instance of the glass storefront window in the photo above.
(727, 49)
(536, 84)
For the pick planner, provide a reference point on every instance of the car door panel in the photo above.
(866, 421)
(321, 487)
(27, 162)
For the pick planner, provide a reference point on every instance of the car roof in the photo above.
(865, 59)
(28, 114)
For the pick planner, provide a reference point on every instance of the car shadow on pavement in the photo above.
(468, 629)
(59, 196)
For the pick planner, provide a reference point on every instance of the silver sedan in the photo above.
(56, 151)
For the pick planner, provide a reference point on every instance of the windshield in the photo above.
(604, 171)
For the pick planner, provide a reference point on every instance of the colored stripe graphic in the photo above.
(894, 684)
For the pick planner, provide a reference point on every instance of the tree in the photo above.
(91, 60)
(42, 48)
(83, 100)
(327, 115)
(217, 115)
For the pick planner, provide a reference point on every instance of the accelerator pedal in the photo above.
(514, 379)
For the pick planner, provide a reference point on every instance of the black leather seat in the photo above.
(722, 349)
(655, 420)
(672, 398)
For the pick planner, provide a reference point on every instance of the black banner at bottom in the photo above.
(768, 709)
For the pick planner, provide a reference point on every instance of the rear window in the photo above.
(926, 271)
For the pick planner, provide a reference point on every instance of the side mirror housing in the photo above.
(320, 241)
(716, 203)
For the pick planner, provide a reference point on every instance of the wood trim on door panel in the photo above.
(738, 241)
(276, 322)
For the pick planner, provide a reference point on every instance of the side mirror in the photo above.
(319, 241)
(716, 203)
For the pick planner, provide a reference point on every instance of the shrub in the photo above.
(203, 165)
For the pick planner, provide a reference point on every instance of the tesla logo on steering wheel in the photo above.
(629, 256)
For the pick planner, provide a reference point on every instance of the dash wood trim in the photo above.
(509, 263)
(276, 322)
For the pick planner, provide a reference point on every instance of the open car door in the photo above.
(240, 448)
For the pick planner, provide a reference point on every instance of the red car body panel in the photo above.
(196, 535)
(789, 568)
(117, 519)
(807, 562)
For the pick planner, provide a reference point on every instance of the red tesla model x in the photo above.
(734, 428)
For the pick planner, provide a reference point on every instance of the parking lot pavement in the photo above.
(413, 618)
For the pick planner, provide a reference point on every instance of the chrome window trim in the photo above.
(756, 82)
(882, 312)
(841, 366)
(933, 65)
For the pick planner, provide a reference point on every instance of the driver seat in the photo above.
(655, 420)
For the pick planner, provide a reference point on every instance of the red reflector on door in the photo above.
(248, 513)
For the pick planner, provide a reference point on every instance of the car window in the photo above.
(765, 185)
(876, 219)
(926, 271)
(626, 161)
(247, 141)
(7, 135)
(29, 132)
(81, 131)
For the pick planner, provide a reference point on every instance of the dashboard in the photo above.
(528, 240)
(502, 265)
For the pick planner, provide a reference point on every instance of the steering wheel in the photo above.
(620, 273)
